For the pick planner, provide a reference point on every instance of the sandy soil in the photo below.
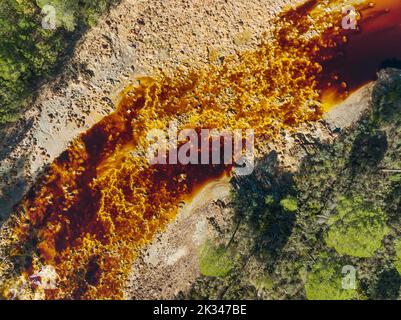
(170, 263)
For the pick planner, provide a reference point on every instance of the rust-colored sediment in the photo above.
(100, 201)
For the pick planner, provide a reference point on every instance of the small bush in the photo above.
(357, 229)
(289, 204)
(325, 282)
(215, 261)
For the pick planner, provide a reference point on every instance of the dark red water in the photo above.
(376, 43)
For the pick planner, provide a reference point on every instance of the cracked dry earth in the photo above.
(139, 38)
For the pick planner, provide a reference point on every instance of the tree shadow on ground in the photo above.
(257, 204)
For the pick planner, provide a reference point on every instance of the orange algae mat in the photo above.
(100, 201)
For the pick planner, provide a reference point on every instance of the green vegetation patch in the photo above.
(357, 229)
(325, 282)
(215, 261)
(289, 204)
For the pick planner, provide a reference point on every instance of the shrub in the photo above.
(289, 204)
(215, 261)
(357, 229)
(325, 282)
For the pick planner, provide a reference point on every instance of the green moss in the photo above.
(357, 229)
(289, 204)
(215, 261)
